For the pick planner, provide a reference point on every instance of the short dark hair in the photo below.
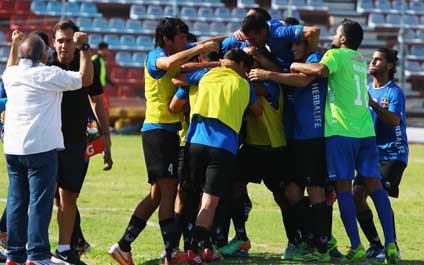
(32, 48)
(353, 32)
(42, 35)
(238, 55)
(64, 25)
(253, 23)
(102, 45)
(391, 57)
(261, 13)
(191, 37)
(291, 21)
(169, 27)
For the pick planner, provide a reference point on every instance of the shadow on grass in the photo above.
(273, 258)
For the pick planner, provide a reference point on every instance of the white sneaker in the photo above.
(120, 256)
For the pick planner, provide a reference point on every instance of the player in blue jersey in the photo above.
(387, 103)
(350, 137)
(305, 109)
(160, 138)
(277, 37)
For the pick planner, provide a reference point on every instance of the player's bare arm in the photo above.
(388, 117)
(314, 69)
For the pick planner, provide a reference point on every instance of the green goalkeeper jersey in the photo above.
(346, 108)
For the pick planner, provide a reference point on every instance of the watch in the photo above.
(85, 47)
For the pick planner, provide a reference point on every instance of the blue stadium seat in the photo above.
(279, 4)
(393, 20)
(383, 5)
(217, 28)
(38, 7)
(222, 14)
(364, 6)
(188, 12)
(89, 10)
(412, 66)
(4, 53)
(376, 20)
(168, 11)
(113, 41)
(417, 51)
(3, 39)
(123, 58)
(144, 43)
(133, 25)
(149, 26)
(154, 12)
(94, 39)
(246, 4)
(200, 27)
(84, 23)
(416, 6)
(212, 3)
(72, 9)
(410, 34)
(205, 13)
(316, 5)
(127, 42)
(2, 68)
(412, 20)
(397, 5)
(276, 14)
(137, 12)
(420, 34)
(232, 26)
(117, 24)
(237, 14)
(298, 4)
(53, 8)
(138, 59)
(100, 24)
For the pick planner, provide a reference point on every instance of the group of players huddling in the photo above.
(263, 104)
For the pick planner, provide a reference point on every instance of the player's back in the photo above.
(346, 111)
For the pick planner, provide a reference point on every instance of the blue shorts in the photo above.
(347, 154)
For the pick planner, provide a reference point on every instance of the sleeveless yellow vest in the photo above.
(268, 129)
(192, 99)
(159, 93)
(223, 95)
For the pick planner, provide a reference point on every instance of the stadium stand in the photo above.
(129, 25)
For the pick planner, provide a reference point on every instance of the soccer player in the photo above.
(223, 95)
(387, 103)
(277, 37)
(160, 138)
(306, 109)
(349, 132)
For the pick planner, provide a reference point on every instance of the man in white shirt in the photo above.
(32, 137)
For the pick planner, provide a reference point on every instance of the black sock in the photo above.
(247, 205)
(329, 220)
(3, 221)
(292, 228)
(201, 239)
(134, 228)
(238, 217)
(77, 236)
(366, 222)
(169, 235)
(394, 228)
(320, 226)
(218, 230)
(179, 223)
(191, 201)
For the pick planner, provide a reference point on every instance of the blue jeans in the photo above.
(32, 185)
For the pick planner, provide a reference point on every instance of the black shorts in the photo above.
(391, 174)
(255, 164)
(310, 163)
(209, 169)
(181, 152)
(72, 167)
(161, 154)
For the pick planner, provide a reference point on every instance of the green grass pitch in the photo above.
(108, 199)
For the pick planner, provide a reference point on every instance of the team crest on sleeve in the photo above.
(384, 103)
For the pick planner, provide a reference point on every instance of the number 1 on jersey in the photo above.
(358, 100)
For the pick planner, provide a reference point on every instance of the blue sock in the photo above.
(384, 210)
(348, 215)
